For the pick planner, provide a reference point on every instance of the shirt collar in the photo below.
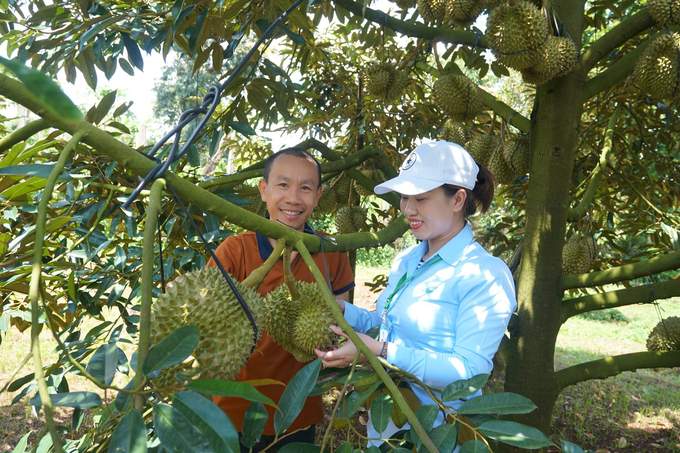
(451, 252)
(266, 248)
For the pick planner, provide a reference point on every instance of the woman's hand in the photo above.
(344, 356)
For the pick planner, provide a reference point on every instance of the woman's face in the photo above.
(434, 216)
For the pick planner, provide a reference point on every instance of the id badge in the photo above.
(382, 336)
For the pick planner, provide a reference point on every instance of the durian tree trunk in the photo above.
(556, 116)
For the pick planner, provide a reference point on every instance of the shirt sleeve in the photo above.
(485, 309)
(231, 256)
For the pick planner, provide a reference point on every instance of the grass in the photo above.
(631, 412)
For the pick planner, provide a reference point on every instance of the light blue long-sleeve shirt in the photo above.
(447, 322)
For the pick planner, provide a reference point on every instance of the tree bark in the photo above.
(554, 133)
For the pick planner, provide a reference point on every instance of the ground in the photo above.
(633, 412)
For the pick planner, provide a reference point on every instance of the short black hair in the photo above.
(294, 151)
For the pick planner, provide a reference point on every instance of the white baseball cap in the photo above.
(432, 165)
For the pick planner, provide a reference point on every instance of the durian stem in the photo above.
(288, 276)
(340, 400)
(256, 277)
(361, 347)
(436, 57)
(35, 286)
(147, 285)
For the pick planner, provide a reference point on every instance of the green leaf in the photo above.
(172, 349)
(103, 363)
(241, 128)
(37, 170)
(426, 415)
(296, 38)
(104, 106)
(21, 445)
(209, 419)
(81, 400)
(176, 10)
(345, 447)
(45, 89)
(474, 446)
(381, 411)
(497, 403)
(356, 399)
(228, 388)
(196, 32)
(123, 399)
(295, 395)
(515, 434)
(300, 447)
(445, 436)
(461, 389)
(176, 433)
(254, 422)
(130, 434)
(568, 447)
(193, 156)
(134, 55)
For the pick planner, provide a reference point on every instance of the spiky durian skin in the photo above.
(341, 185)
(500, 168)
(431, 10)
(361, 190)
(463, 13)
(204, 299)
(516, 154)
(279, 313)
(555, 59)
(405, 4)
(578, 255)
(458, 97)
(483, 147)
(350, 219)
(514, 33)
(383, 80)
(455, 132)
(328, 200)
(665, 336)
(664, 11)
(656, 72)
(311, 326)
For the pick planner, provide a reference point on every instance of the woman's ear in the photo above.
(460, 201)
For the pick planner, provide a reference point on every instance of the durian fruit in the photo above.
(204, 299)
(463, 13)
(516, 154)
(405, 4)
(578, 255)
(500, 168)
(455, 132)
(299, 325)
(384, 80)
(656, 72)
(665, 336)
(555, 59)
(341, 185)
(350, 219)
(514, 33)
(328, 200)
(482, 148)
(664, 11)
(458, 97)
(431, 10)
(361, 190)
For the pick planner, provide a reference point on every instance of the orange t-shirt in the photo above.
(240, 255)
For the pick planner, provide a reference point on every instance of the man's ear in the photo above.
(262, 185)
(318, 195)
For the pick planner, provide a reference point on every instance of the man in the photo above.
(291, 187)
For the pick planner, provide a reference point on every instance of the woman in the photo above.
(448, 301)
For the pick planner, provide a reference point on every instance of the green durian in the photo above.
(665, 336)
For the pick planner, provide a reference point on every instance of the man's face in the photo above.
(293, 190)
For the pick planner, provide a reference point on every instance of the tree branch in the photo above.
(381, 18)
(619, 274)
(22, 134)
(611, 366)
(617, 36)
(620, 298)
(579, 211)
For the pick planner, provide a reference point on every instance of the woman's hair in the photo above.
(480, 196)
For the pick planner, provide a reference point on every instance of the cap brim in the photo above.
(407, 185)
